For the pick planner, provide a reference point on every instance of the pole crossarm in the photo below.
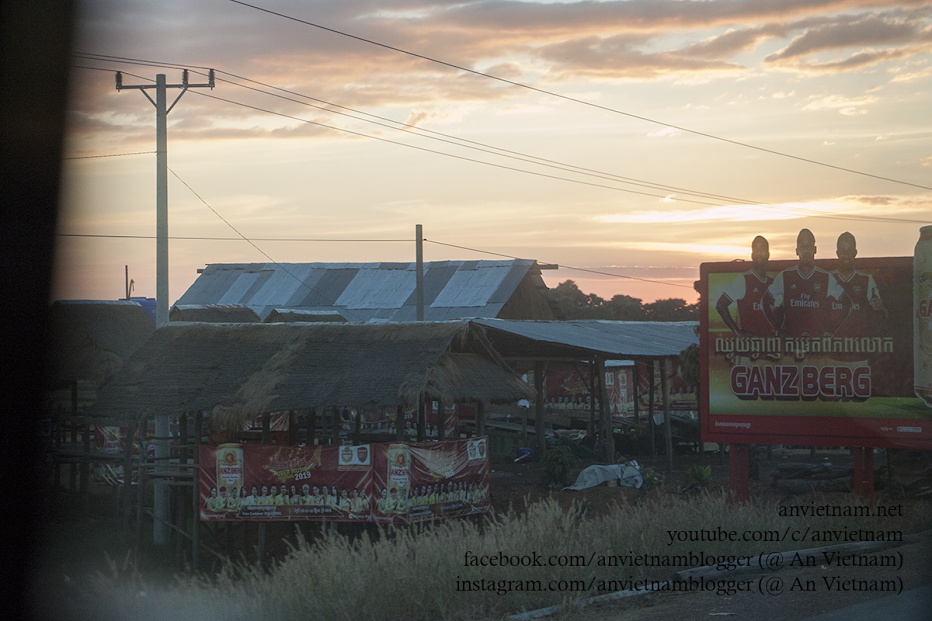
(184, 82)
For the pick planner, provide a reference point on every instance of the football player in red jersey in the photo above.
(852, 294)
(746, 292)
(801, 292)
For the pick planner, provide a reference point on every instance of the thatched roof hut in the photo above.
(213, 313)
(239, 371)
(91, 340)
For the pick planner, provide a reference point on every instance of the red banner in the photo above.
(426, 480)
(370, 482)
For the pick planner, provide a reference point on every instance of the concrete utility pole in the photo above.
(161, 178)
(419, 264)
(162, 499)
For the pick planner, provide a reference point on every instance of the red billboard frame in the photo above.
(898, 420)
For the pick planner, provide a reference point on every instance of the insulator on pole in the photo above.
(119, 80)
(184, 77)
(210, 78)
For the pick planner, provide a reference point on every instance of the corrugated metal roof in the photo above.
(618, 339)
(363, 291)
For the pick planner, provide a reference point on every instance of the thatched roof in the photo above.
(90, 340)
(291, 315)
(239, 371)
(213, 313)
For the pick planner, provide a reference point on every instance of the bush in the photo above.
(698, 476)
(555, 466)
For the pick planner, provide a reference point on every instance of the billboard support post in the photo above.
(738, 473)
(862, 481)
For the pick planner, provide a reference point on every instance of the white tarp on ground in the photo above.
(594, 475)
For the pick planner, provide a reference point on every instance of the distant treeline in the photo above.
(574, 304)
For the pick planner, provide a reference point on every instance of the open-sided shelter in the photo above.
(537, 343)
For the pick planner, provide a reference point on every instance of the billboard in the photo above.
(388, 483)
(811, 352)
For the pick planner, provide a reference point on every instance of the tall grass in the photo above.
(413, 573)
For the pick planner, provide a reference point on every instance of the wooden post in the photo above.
(335, 425)
(86, 469)
(590, 429)
(667, 422)
(73, 470)
(650, 410)
(181, 510)
(293, 428)
(539, 407)
(606, 437)
(311, 426)
(421, 418)
(141, 487)
(357, 427)
(128, 472)
(196, 494)
(524, 413)
(441, 422)
(480, 419)
(635, 388)
(263, 526)
(400, 422)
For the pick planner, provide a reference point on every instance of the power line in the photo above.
(88, 157)
(265, 254)
(456, 141)
(580, 101)
(568, 267)
(451, 155)
(268, 239)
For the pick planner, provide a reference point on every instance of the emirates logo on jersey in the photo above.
(817, 287)
(857, 288)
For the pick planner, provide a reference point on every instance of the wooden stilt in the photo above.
(196, 494)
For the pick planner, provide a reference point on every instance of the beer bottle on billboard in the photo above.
(922, 316)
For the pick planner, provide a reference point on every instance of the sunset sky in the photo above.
(645, 102)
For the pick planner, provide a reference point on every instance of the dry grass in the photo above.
(414, 573)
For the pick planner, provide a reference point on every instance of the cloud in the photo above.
(873, 29)
(666, 132)
(540, 44)
(846, 105)
(854, 205)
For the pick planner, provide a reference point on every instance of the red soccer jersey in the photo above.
(804, 300)
(857, 291)
(746, 292)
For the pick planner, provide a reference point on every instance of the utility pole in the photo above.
(161, 177)
(162, 497)
(419, 265)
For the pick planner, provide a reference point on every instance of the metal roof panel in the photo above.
(620, 339)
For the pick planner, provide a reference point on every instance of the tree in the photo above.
(574, 304)
(672, 309)
(625, 308)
